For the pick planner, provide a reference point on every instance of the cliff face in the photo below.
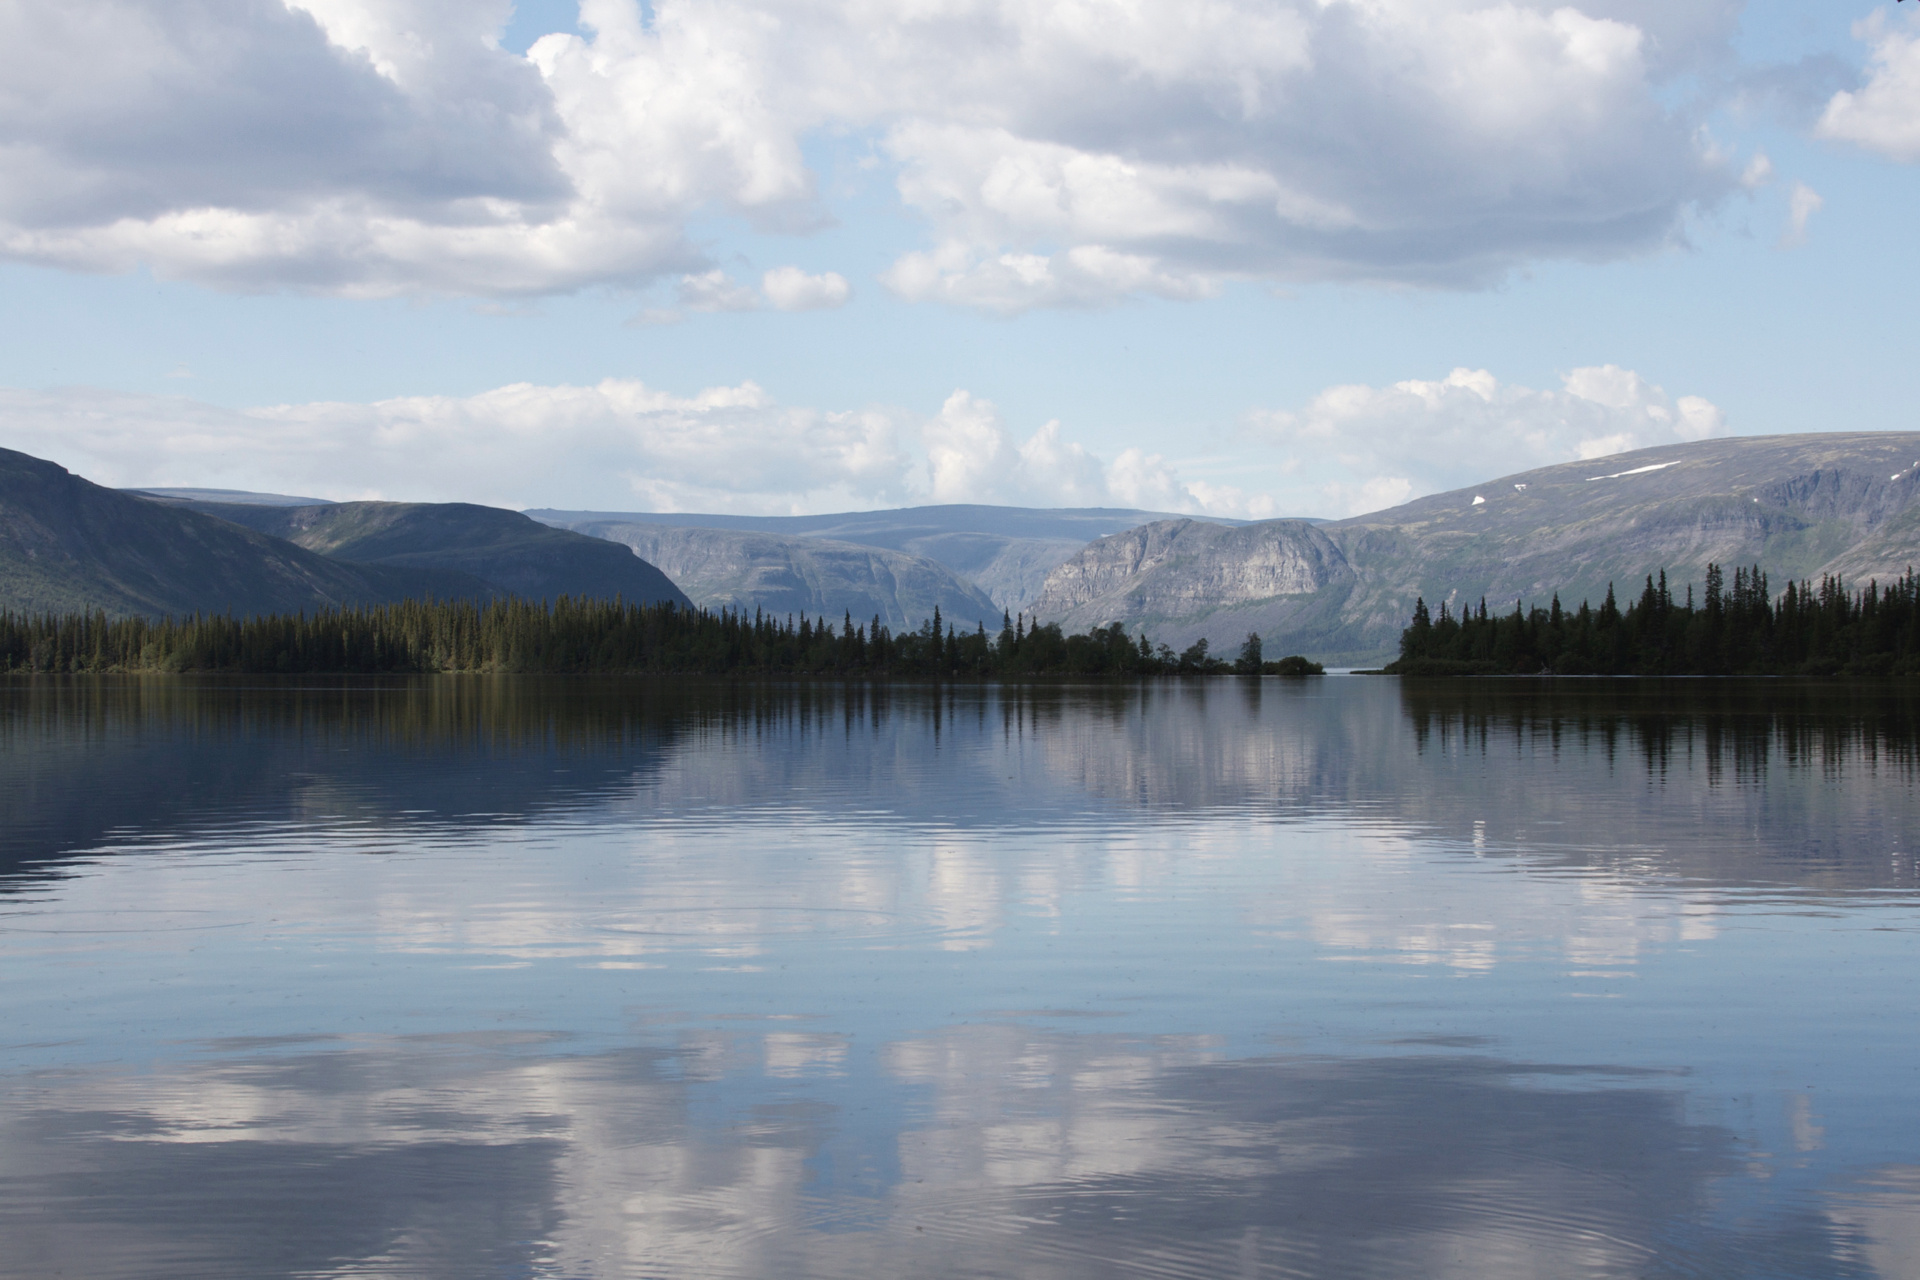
(725, 568)
(1799, 506)
(1183, 569)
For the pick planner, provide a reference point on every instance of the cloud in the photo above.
(616, 445)
(1802, 203)
(1362, 448)
(972, 457)
(623, 445)
(363, 148)
(716, 291)
(783, 288)
(1059, 152)
(619, 444)
(791, 289)
(1166, 149)
(1884, 115)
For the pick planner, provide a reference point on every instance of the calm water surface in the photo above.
(1343, 978)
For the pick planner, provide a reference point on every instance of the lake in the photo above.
(1339, 977)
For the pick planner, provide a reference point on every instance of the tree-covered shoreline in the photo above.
(1736, 629)
(591, 636)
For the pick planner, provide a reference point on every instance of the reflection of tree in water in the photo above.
(1603, 774)
(1754, 783)
(1734, 727)
(1005, 1151)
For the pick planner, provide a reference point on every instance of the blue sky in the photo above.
(1517, 192)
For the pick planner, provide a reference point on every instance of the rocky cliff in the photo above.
(1184, 571)
(727, 568)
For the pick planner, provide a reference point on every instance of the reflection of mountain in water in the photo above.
(1006, 1151)
(86, 761)
(1641, 779)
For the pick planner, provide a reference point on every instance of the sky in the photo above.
(1239, 257)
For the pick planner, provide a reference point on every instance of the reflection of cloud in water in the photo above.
(1880, 1219)
(796, 1053)
(962, 894)
(607, 896)
(1027, 1152)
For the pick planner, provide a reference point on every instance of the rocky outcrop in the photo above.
(1185, 570)
(727, 568)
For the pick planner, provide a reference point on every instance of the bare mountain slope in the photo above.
(726, 568)
(1005, 551)
(1188, 574)
(1798, 506)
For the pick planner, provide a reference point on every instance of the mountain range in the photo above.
(1003, 552)
(1798, 506)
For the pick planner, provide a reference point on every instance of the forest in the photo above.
(586, 635)
(1737, 628)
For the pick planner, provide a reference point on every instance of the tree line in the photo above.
(1734, 629)
(588, 635)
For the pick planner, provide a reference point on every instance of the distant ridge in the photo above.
(505, 550)
(1006, 552)
(241, 497)
(746, 571)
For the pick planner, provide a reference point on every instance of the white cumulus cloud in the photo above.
(716, 291)
(791, 289)
(1163, 149)
(1360, 448)
(615, 445)
(1884, 114)
(618, 444)
(972, 457)
(1057, 152)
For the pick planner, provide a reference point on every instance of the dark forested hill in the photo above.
(511, 553)
(68, 544)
